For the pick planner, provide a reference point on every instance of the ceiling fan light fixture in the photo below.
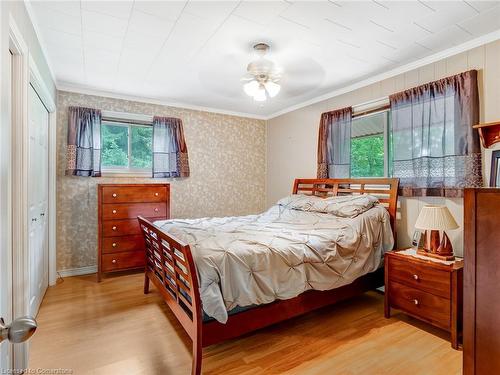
(264, 76)
(272, 88)
(251, 88)
(260, 95)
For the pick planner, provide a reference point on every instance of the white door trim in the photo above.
(27, 73)
(19, 184)
(41, 89)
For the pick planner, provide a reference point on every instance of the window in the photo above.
(126, 147)
(370, 145)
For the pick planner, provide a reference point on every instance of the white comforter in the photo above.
(256, 259)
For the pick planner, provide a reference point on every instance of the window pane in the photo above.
(142, 137)
(367, 156)
(367, 145)
(114, 145)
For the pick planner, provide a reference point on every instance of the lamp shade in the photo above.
(435, 217)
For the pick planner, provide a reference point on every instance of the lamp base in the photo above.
(435, 248)
(426, 253)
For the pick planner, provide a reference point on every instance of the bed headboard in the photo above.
(385, 189)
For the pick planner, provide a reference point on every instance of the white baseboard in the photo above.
(77, 271)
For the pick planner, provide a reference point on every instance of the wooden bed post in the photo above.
(146, 283)
(170, 267)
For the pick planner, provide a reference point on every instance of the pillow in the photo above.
(342, 206)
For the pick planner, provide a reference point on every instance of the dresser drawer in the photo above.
(134, 194)
(115, 228)
(429, 307)
(124, 243)
(118, 261)
(132, 210)
(421, 277)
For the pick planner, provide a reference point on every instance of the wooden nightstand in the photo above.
(426, 290)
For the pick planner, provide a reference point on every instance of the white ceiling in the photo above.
(195, 52)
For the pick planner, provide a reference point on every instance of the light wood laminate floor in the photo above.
(113, 328)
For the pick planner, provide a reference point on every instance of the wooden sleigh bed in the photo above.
(175, 274)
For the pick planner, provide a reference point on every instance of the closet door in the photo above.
(38, 200)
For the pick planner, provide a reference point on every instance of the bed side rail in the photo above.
(171, 268)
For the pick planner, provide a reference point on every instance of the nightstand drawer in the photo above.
(426, 306)
(420, 276)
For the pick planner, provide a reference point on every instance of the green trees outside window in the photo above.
(367, 156)
(368, 146)
(126, 146)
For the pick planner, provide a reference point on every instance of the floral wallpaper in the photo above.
(227, 156)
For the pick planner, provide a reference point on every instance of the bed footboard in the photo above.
(171, 268)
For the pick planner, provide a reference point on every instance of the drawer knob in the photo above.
(415, 301)
(113, 261)
(156, 194)
(114, 244)
(115, 195)
(114, 211)
(156, 210)
(415, 277)
(114, 228)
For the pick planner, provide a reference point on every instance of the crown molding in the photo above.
(65, 86)
(484, 39)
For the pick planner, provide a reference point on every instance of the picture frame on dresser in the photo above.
(120, 242)
(495, 166)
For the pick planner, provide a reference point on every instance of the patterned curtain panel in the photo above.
(434, 148)
(83, 152)
(170, 155)
(334, 144)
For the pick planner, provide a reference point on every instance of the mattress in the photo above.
(256, 259)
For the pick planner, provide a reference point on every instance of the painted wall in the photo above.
(227, 162)
(292, 137)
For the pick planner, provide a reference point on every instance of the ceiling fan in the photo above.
(262, 78)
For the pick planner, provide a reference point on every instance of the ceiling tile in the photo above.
(132, 62)
(45, 17)
(148, 25)
(484, 22)
(482, 6)
(447, 37)
(446, 13)
(100, 61)
(187, 38)
(135, 41)
(117, 9)
(102, 41)
(261, 12)
(60, 39)
(71, 8)
(216, 11)
(104, 24)
(169, 10)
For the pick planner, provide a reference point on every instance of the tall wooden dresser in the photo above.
(121, 245)
(482, 281)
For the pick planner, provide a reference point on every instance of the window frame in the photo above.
(377, 107)
(125, 120)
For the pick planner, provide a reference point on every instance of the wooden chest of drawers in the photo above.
(121, 245)
(426, 290)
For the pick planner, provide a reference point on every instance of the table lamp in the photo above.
(435, 220)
